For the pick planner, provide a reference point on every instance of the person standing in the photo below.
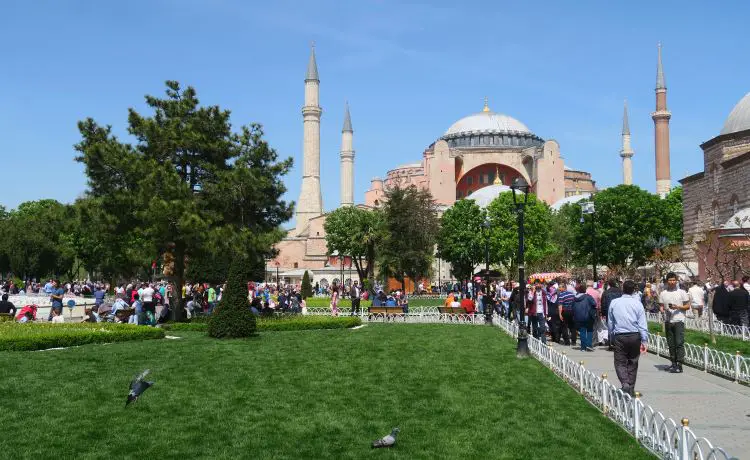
(565, 301)
(335, 300)
(536, 302)
(674, 302)
(584, 315)
(147, 297)
(611, 293)
(354, 294)
(628, 333)
(696, 294)
(739, 302)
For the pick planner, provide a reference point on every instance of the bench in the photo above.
(387, 312)
(452, 311)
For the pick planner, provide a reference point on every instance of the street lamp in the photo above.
(486, 225)
(521, 186)
(589, 208)
(277, 275)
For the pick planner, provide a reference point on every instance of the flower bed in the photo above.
(40, 336)
(282, 323)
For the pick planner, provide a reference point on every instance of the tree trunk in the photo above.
(710, 313)
(179, 272)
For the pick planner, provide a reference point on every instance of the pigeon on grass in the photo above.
(386, 441)
(137, 387)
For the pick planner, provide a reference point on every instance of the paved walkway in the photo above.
(718, 409)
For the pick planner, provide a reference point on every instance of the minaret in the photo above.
(627, 152)
(661, 133)
(310, 203)
(347, 161)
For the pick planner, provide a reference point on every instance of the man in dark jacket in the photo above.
(7, 307)
(720, 305)
(584, 315)
(613, 292)
(738, 302)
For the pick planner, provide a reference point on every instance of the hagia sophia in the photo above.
(478, 157)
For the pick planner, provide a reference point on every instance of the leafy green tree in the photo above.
(504, 230)
(461, 239)
(306, 286)
(672, 212)
(233, 318)
(627, 217)
(410, 224)
(355, 232)
(189, 184)
(33, 242)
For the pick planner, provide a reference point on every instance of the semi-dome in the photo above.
(739, 118)
(486, 195)
(488, 129)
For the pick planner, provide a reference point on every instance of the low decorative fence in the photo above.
(659, 434)
(702, 324)
(735, 366)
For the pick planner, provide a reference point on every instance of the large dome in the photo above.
(487, 122)
(739, 118)
(488, 129)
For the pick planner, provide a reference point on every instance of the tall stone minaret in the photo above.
(661, 133)
(310, 203)
(347, 161)
(627, 152)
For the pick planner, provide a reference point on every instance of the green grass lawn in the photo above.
(455, 391)
(723, 343)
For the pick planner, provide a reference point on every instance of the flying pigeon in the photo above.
(386, 441)
(137, 387)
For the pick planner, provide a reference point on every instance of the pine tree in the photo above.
(233, 318)
(306, 286)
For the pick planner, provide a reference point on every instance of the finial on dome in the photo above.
(486, 107)
(497, 180)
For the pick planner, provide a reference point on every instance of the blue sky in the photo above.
(408, 70)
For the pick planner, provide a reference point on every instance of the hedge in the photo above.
(318, 302)
(283, 323)
(40, 336)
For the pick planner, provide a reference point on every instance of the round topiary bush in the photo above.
(232, 318)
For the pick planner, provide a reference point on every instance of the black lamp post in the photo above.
(589, 208)
(521, 186)
(486, 298)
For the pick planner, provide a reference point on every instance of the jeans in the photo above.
(587, 336)
(676, 341)
(211, 306)
(739, 318)
(539, 327)
(355, 306)
(570, 331)
(556, 325)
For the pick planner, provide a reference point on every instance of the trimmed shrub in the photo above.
(282, 323)
(325, 302)
(233, 318)
(299, 323)
(306, 286)
(40, 336)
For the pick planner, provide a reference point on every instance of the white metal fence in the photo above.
(735, 366)
(702, 324)
(659, 434)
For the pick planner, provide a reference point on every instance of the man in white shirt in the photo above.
(696, 295)
(674, 302)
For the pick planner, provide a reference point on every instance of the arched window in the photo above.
(715, 177)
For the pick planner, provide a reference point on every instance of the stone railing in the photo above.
(659, 434)
(702, 324)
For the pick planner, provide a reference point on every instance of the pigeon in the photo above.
(137, 387)
(386, 441)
